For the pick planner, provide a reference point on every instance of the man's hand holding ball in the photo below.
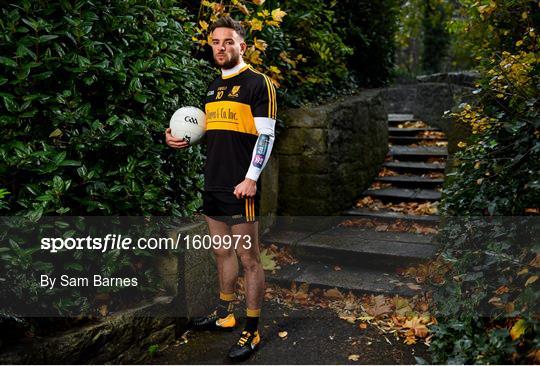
(187, 127)
(174, 142)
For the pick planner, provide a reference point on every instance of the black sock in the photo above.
(225, 305)
(252, 323)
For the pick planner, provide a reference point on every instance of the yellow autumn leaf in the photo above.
(274, 70)
(243, 8)
(531, 280)
(524, 15)
(56, 133)
(253, 56)
(283, 334)
(354, 357)
(461, 144)
(366, 318)
(256, 24)
(278, 14)
(260, 44)
(272, 23)
(203, 24)
(267, 260)
(518, 329)
(482, 8)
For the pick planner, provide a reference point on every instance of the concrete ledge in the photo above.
(120, 338)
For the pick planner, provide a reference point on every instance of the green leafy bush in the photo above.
(488, 305)
(314, 33)
(297, 44)
(88, 88)
(87, 91)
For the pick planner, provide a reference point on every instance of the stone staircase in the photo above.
(364, 258)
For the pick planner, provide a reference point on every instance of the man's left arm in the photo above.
(261, 153)
(265, 123)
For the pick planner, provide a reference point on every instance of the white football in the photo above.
(188, 123)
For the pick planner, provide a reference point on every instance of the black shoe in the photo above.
(246, 345)
(213, 322)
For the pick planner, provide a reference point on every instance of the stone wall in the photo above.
(329, 154)
(430, 98)
(269, 193)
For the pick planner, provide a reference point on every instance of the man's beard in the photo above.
(229, 64)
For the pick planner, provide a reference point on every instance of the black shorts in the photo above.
(225, 207)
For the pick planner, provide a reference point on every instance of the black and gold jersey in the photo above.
(231, 104)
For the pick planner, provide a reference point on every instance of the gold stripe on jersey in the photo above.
(272, 105)
(231, 116)
(272, 98)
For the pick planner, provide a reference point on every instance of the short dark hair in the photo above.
(228, 22)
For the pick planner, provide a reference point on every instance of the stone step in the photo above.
(400, 194)
(405, 140)
(364, 247)
(410, 181)
(390, 215)
(349, 278)
(397, 117)
(418, 151)
(410, 131)
(414, 166)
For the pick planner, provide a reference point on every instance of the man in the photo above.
(240, 118)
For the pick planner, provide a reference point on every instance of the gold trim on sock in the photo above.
(253, 312)
(227, 297)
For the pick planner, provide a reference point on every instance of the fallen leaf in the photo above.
(419, 329)
(283, 334)
(333, 293)
(535, 262)
(103, 310)
(267, 260)
(349, 318)
(496, 301)
(362, 325)
(413, 286)
(354, 357)
(531, 280)
(510, 307)
(518, 329)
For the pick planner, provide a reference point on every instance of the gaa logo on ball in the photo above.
(188, 123)
(190, 119)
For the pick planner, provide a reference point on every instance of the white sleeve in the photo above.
(263, 147)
